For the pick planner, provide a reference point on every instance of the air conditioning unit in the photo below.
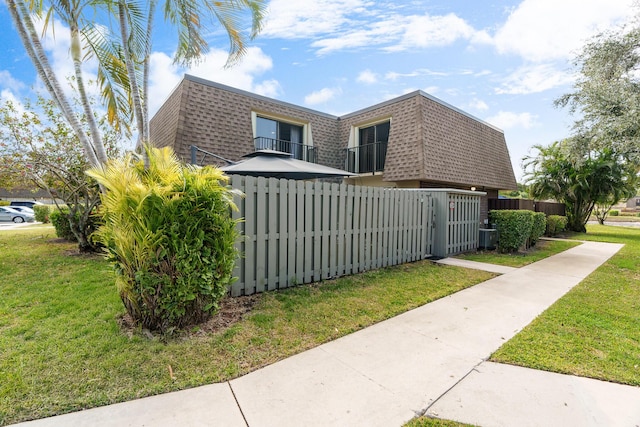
(488, 238)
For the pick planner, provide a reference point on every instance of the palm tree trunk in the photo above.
(76, 54)
(146, 64)
(29, 37)
(133, 81)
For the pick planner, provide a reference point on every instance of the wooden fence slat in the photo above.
(308, 232)
(317, 232)
(325, 225)
(250, 240)
(272, 258)
(261, 234)
(300, 236)
(291, 233)
(283, 235)
(334, 196)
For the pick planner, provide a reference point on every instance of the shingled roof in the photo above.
(429, 140)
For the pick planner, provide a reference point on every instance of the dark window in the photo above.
(281, 136)
(371, 151)
(375, 133)
(273, 129)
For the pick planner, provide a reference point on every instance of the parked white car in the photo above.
(23, 209)
(10, 214)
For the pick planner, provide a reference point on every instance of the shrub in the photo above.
(169, 233)
(514, 228)
(60, 220)
(614, 212)
(556, 224)
(41, 213)
(538, 227)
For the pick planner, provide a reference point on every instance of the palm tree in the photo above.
(21, 17)
(123, 58)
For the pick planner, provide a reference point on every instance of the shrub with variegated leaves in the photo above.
(170, 235)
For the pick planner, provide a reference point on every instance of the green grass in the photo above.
(62, 350)
(594, 330)
(542, 249)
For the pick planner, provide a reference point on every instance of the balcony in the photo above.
(368, 158)
(298, 151)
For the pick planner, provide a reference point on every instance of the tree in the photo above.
(38, 148)
(123, 55)
(606, 95)
(580, 181)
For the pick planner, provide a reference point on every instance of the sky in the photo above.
(502, 61)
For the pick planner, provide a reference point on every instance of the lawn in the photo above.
(62, 348)
(594, 330)
(542, 249)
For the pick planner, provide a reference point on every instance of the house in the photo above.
(633, 204)
(412, 141)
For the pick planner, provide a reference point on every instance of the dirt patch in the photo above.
(231, 311)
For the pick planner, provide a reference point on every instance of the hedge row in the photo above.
(555, 224)
(518, 228)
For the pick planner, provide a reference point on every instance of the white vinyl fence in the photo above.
(297, 232)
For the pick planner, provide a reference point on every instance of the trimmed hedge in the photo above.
(514, 228)
(42, 213)
(60, 220)
(614, 212)
(538, 227)
(555, 224)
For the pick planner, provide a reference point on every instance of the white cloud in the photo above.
(9, 82)
(352, 24)
(321, 96)
(507, 120)
(478, 105)
(393, 75)
(543, 30)
(431, 90)
(165, 75)
(270, 88)
(6, 95)
(428, 31)
(533, 79)
(307, 18)
(367, 77)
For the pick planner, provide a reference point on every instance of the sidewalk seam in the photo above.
(237, 403)
(424, 412)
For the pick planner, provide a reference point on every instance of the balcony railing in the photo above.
(368, 158)
(298, 151)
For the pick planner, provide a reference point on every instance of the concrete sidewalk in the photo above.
(388, 373)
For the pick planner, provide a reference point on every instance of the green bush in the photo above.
(614, 212)
(60, 220)
(555, 224)
(169, 233)
(538, 227)
(514, 228)
(41, 213)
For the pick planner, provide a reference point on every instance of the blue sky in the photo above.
(503, 61)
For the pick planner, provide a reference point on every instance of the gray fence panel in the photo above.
(301, 232)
